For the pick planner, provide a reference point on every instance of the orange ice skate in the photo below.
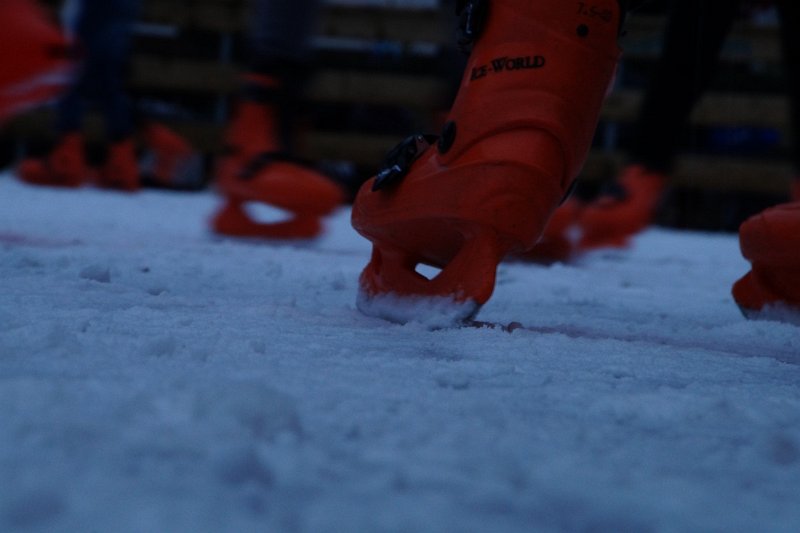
(771, 242)
(169, 160)
(64, 167)
(518, 134)
(611, 221)
(258, 168)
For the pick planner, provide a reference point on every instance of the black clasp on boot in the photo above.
(398, 161)
(472, 18)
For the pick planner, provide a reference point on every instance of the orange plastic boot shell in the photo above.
(64, 167)
(33, 55)
(611, 222)
(771, 242)
(300, 190)
(523, 120)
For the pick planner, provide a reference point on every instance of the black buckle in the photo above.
(472, 19)
(398, 161)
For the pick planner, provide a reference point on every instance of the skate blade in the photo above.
(434, 312)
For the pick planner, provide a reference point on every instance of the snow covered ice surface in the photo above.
(156, 378)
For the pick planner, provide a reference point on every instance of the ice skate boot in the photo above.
(771, 242)
(518, 134)
(121, 170)
(169, 160)
(34, 55)
(260, 168)
(612, 220)
(64, 167)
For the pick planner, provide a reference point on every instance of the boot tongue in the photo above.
(431, 312)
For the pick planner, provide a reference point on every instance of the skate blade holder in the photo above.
(292, 198)
(757, 302)
(771, 289)
(240, 218)
(391, 286)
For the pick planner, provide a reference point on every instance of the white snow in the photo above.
(434, 312)
(154, 377)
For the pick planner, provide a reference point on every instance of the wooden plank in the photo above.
(642, 40)
(209, 16)
(742, 110)
(362, 149)
(150, 72)
(328, 85)
(702, 172)
(428, 92)
(747, 42)
(733, 174)
(416, 92)
(370, 23)
(331, 85)
(392, 24)
(714, 108)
